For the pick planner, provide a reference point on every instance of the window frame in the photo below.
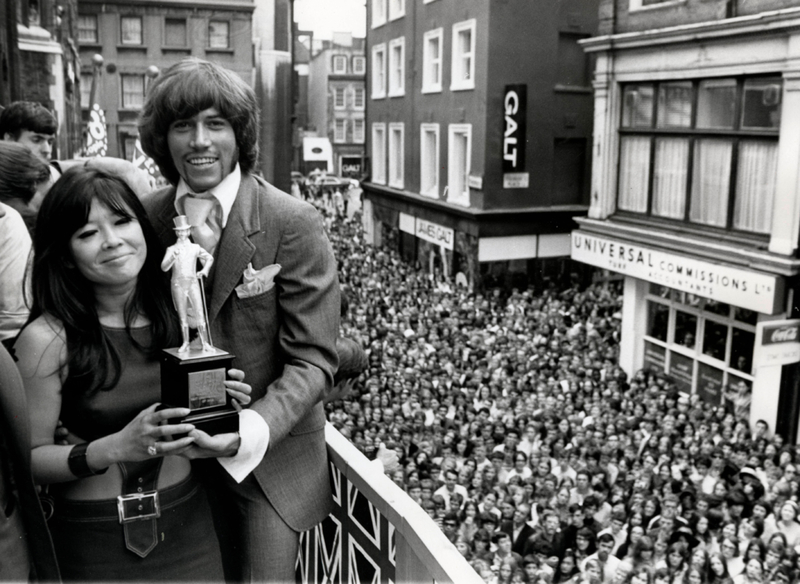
(339, 70)
(378, 153)
(209, 46)
(432, 85)
(339, 138)
(462, 198)
(379, 71)
(425, 159)
(185, 32)
(359, 136)
(361, 69)
(694, 306)
(96, 29)
(397, 9)
(86, 88)
(457, 81)
(396, 155)
(363, 92)
(122, 93)
(379, 13)
(132, 18)
(397, 67)
(735, 136)
(341, 90)
(638, 5)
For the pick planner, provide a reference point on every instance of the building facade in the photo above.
(337, 101)
(479, 121)
(39, 62)
(695, 194)
(135, 35)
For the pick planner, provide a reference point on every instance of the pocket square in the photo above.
(257, 281)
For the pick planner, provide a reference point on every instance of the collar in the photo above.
(225, 192)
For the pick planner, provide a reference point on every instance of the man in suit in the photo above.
(26, 550)
(200, 124)
(518, 528)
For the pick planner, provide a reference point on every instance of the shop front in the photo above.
(698, 321)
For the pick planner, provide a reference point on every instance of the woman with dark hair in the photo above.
(567, 568)
(718, 570)
(89, 357)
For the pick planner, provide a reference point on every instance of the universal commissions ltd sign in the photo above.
(743, 288)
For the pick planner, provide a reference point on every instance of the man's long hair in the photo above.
(188, 88)
(62, 292)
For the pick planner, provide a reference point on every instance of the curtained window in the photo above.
(702, 151)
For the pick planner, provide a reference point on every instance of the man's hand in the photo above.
(388, 458)
(206, 446)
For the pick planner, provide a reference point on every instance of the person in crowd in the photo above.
(25, 545)
(199, 123)
(89, 358)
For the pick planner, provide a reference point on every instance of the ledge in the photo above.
(673, 240)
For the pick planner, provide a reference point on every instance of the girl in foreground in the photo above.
(127, 506)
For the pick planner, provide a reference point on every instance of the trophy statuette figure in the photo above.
(193, 376)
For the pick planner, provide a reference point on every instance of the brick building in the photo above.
(479, 120)
(337, 100)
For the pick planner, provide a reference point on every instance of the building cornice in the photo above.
(764, 23)
(679, 241)
(236, 6)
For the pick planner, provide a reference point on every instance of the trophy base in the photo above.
(212, 423)
(194, 379)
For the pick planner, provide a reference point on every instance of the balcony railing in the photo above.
(376, 534)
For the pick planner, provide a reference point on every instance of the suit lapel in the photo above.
(235, 250)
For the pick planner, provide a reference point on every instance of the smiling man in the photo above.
(200, 124)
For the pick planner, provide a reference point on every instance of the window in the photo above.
(339, 64)
(429, 160)
(643, 4)
(397, 68)
(573, 63)
(132, 91)
(86, 90)
(131, 28)
(219, 34)
(379, 71)
(396, 151)
(432, 61)
(338, 98)
(703, 152)
(358, 131)
(175, 32)
(459, 145)
(379, 153)
(359, 65)
(358, 98)
(463, 65)
(397, 9)
(378, 13)
(705, 345)
(340, 130)
(87, 28)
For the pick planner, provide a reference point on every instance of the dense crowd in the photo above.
(538, 457)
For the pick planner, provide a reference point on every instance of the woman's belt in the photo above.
(137, 508)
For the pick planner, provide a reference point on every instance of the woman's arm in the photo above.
(41, 350)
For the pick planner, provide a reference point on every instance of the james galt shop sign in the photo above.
(743, 288)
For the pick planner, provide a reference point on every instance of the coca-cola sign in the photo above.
(777, 343)
(776, 334)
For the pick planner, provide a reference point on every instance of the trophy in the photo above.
(192, 375)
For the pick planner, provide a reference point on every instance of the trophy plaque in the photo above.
(192, 375)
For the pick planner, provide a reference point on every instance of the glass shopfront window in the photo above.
(704, 345)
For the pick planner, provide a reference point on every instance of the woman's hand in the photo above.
(146, 436)
(237, 389)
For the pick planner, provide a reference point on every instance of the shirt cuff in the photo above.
(254, 436)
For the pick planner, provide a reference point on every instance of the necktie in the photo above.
(200, 211)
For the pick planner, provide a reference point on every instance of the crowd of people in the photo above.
(519, 434)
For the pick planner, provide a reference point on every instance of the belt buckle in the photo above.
(138, 498)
